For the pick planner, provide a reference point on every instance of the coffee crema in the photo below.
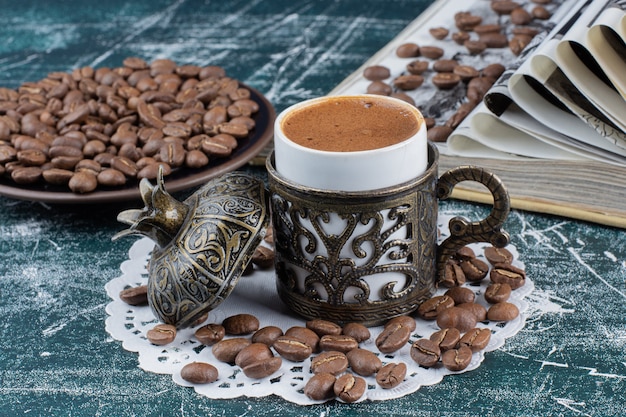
(349, 124)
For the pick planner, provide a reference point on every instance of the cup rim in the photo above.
(305, 103)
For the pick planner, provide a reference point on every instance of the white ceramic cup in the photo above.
(352, 171)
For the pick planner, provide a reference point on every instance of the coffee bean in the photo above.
(430, 309)
(320, 386)
(446, 338)
(488, 28)
(478, 87)
(432, 52)
(403, 96)
(479, 312)
(150, 171)
(498, 255)
(226, 350)
(331, 362)
(457, 317)
(504, 311)
(161, 334)
(340, 343)
(376, 73)
(425, 352)
(57, 176)
(350, 388)
(445, 80)
(457, 359)
(461, 113)
(493, 71)
(380, 88)
(393, 337)
(475, 47)
(292, 349)
(199, 373)
(111, 178)
(439, 133)
(263, 257)
(83, 182)
(406, 321)
(474, 269)
(503, 7)
(453, 275)
(304, 335)
(494, 40)
(210, 334)
(439, 33)
(135, 296)
(461, 295)
(356, 330)
(460, 37)
(408, 50)
(363, 362)
(497, 293)
(417, 67)
(391, 375)
(476, 339)
(253, 352)
(519, 16)
(240, 324)
(324, 327)
(505, 273)
(445, 65)
(518, 43)
(541, 13)
(267, 335)
(466, 72)
(408, 82)
(465, 21)
(196, 159)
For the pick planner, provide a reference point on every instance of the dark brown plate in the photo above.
(178, 180)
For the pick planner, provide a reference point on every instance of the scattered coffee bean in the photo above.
(445, 65)
(466, 72)
(267, 335)
(541, 13)
(505, 273)
(475, 47)
(226, 350)
(460, 37)
(432, 52)
(331, 362)
(445, 80)
(504, 311)
(263, 257)
(161, 334)
(494, 40)
(474, 269)
(503, 7)
(519, 16)
(518, 43)
(340, 343)
(430, 309)
(497, 293)
(493, 71)
(376, 73)
(380, 88)
(417, 67)
(363, 362)
(478, 87)
(408, 50)
(446, 338)
(488, 28)
(461, 295)
(406, 321)
(356, 330)
(457, 359)
(465, 21)
(240, 324)
(393, 337)
(350, 388)
(479, 312)
(304, 335)
(457, 317)
(292, 349)
(135, 296)
(199, 373)
(262, 368)
(251, 353)
(320, 386)
(425, 352)
(210, 334)
(408, 81)
(439, 32)
(476, 339)
(391, 375)
(439, 133)
(498, 255)
(453, 275)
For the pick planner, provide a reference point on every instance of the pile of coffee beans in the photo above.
(476, 37)
(106, 127)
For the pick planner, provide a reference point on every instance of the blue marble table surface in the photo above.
(56, 358)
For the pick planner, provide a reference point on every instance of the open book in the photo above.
(553, 126)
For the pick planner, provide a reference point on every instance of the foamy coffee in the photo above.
(350, 124)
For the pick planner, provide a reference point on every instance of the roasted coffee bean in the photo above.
(150, 171)
(376, 73)
(494, 39)
(466, 72)
(215, 148)
(393, 337)
(356, 330)
(503, 7)
(267, 335)
(466, 21)
(363, 362)
(324, 327)
(497, 293)
(210, 334)
(7, 154)
(493, 71)
(196, 159)
(457, 359)
(445, 65)
(320, 386)
(498, 255)
(519, 16)
(391, 375)
(439, 133)
(529, 31)
(541, 13)
(446, 338)
(406, 321)
(432, 52)
(199, 373)
(408, 50)
(57, 176)
(429, 122)
(457, 317)
(445, 80)
(305, 335)
(254, 352)
(124, 165)
(461, 113)
(161, 334)
(262, 368)
(263, 257)
(32, 157)
(408, 82)
(380, 88)
(474, 269)
(505, 273)
(461, 295)
(479, 312)
(518, 43)
(340, 343)
(417, 67)
(226, 350)
(425, 352)
(475, 47)
(172, 154)
(240, 324)
(460, 37)
(488, 28)
(349, 388)
(430, 309)
(331, 362)
(135, 296)
(439, 33)
(292, 349)
(504, 311)
(476, 339)
(111, 178)
(83, 182)
(478, 87)
(403, 96)
(452, 274)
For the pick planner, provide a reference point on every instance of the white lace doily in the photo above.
(256, 294)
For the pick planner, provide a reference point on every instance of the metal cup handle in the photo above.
(462, 231)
